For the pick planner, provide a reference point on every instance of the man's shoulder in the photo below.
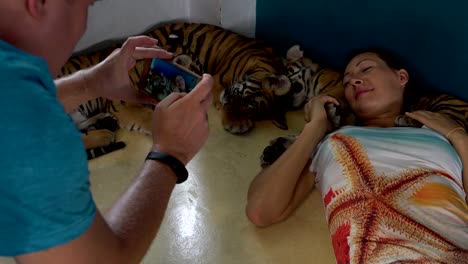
(17, 66)
(28, 96)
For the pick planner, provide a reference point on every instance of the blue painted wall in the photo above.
(431, 36)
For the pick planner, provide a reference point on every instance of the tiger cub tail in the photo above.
(100, 151)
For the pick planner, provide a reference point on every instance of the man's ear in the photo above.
(404, 77)
(36, 8)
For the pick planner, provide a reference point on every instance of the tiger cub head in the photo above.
(300, 71)
(257, 96)
(309, 79)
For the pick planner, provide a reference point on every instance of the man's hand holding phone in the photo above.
(180, 121)
(110, 77)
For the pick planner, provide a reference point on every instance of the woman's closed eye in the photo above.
(367, 69)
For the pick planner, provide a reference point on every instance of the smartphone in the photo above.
(161, 78)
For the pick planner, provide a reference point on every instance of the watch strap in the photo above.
(176, 165)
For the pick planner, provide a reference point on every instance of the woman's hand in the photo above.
(110, 78)
(439, 122)
(315, 112)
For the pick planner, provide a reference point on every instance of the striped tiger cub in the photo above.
(248, 80)
(309, 79)
(98, 133)
(98, 123)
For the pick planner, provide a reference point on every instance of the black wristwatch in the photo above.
(175, 164)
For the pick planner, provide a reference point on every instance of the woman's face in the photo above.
(372, 88)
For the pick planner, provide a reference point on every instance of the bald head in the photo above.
(49, 29)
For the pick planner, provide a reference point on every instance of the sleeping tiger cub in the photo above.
(309, 79)
(98, 133)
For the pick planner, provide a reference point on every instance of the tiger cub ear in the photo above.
(279, 84)
(294, 53)
(183, 60)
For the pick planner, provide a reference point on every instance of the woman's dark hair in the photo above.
(395, 62)
(392, 59)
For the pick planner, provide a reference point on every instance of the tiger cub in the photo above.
(309, 79)
(98, 134)
(249, 84)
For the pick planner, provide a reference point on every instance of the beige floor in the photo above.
(205, 220)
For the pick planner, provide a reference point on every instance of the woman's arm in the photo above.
(457, 136)
(279, 189)
(459, 140)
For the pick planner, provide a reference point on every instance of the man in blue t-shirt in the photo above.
(47, 211)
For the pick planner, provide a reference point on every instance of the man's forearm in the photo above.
(125, 233)
(73, 90)
(136, 217)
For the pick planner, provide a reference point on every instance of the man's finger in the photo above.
(203, 89)
(148, 53)
(139, 41)
(206, 103)
(171, 99)
(144, 98)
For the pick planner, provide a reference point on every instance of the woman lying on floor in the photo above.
(391, 194)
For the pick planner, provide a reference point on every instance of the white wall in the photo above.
(236, 15)
(204, 11)
(110, 19)
(120, 18)
(239, 16)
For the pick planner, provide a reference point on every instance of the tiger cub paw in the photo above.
(333, 113)
(98, 138)
(238, 126)
(406, 121)
(277, 147)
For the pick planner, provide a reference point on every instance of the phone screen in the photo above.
(164, 77)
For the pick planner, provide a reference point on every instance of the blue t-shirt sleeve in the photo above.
(44, 187)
